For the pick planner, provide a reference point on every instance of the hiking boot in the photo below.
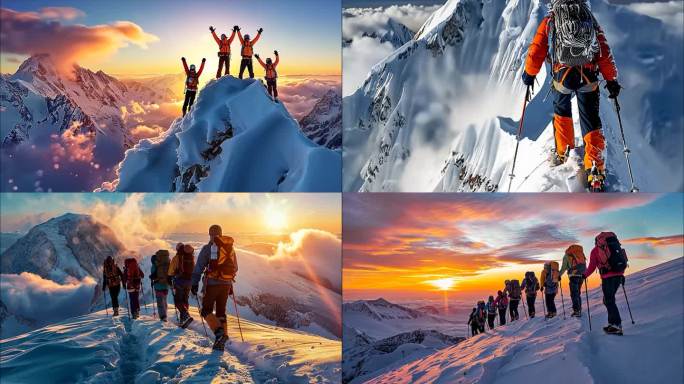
(221, 338)
(184, 324)
(557, 159)
(163, 319)
(576, 314)
(613, 329)
(116, 311)
(596, 180)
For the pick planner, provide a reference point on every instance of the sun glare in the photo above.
(275, 218)
(444, 284)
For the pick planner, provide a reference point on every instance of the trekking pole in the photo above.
(624, 145)
(518, 137)
(154, 298)
(142, 289)
(175, 308)
(238, 317)
(586, 291)
(562, 299)
(544, 305)
(200, 315)
(128, 303)
(104, 296)
(525, 309)
(628, 308)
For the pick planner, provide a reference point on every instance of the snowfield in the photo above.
(441, 112)
(234, 139)
(98, 349)
(565, 350)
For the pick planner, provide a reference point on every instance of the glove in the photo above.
(260, 30)
(194, 289)
(613, 88)
(276, 53)
(256, 55)
(183, 58)
(528, 79)
(236, 28)
(212, 28)
(203, 59)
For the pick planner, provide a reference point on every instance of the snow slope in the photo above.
(649, 352)
(234, 139)
(95, 348)
(440, 113)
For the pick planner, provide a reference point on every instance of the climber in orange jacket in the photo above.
(224, 49)
(271, 75)
(191, 83)
(577, 49)
(247, 51)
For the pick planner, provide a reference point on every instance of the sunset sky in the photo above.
(158, 214)
(149, 37)
(407, 246)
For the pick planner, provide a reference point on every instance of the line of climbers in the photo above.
(246, 52)
(607, 256)
(216, 267)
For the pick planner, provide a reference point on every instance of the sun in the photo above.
(275, 218)
(444, 284)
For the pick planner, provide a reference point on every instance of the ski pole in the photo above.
(625, 292)
(586, 292)
(625, 149)
(562, 299)
(518, 137)
(525, 309)
(175, 308)
(128, 303)
(200, 315)
(544, 305)
(237, 314)
(142, 289)
(154, 297)
(104, 296)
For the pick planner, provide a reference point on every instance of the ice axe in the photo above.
(518, 136)
(625, 149)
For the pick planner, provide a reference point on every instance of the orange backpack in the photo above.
(224, 266)
(576, 258)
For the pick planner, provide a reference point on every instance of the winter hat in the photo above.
(179, 247)
(192, 67)
(246, 37)
(187, 248)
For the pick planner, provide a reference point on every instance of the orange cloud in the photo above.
(28, 33)
(664, 241)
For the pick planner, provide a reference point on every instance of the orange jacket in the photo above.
(539, 49)
(192, 80)
(270, 69)
(248, 46)
(224, 45)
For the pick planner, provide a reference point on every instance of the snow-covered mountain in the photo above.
(440, 113)
(650, 352)
(70, 246)
(392, 32)
(378, 334)
(323, 125)
(98, 349)
(234, 139)
(61, 131)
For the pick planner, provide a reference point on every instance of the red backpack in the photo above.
(611, 256)
(111, 272)
(133, 274)
(186, 262)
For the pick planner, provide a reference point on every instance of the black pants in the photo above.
(610, 287)
(530, 304)
(474, 329)
(587, 102)
(134, 298)
(490, 319)
(272, 88)
(576, 293)
(114, 294)
(513, 309)
(223, 60)
(189, 100)
(502, 316)
(246, 63)
(550, 302)
(181, 295)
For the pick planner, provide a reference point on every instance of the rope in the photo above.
(575, 32)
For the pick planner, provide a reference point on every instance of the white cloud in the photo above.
(45, 301)
(671, 13)
(359, 58)
(300, 95)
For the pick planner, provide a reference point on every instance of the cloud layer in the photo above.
(28, 33)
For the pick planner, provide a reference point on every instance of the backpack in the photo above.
(481, 312)
(503, 303)
(186, 262)
(271, 72)
(531, 284)
(491, 308)
(162, 263)
(576, 259)
(573, 33)
(224, 266)
(551, 276)
(515, 289)
(111, 273)
(133, 274)
(611, 256)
